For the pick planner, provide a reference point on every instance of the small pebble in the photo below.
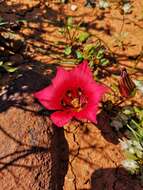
(73, 7)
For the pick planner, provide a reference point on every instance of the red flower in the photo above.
(126, 85)
(72, 93)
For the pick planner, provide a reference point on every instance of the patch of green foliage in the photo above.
(7, 67)
(79, 45)
(132, 145)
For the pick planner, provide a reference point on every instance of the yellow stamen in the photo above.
(75, 103)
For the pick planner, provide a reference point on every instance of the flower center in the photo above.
(75, 103)
(74, 99)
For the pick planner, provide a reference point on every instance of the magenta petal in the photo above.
(47, 98)
(94, 92)
(88, 113)
(60, 77)
(60, 118)
(98, 91)
(82, 70)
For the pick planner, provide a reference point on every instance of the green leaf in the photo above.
(90, 50)
(79, 55)
(8, 63)
(130, 156)
(104, 62)
(10, 69)
(139, 153)
(100, 54)
(128, 110)
(83, 36)
(140, 131)
(134, 132)
(61, 31)
(91, 63)
(1, 63)
(3, 23)
(68, 50)
(88, 47)
(69, 22)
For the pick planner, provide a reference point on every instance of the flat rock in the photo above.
(30, 145)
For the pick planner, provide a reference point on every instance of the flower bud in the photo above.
(125, 84)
